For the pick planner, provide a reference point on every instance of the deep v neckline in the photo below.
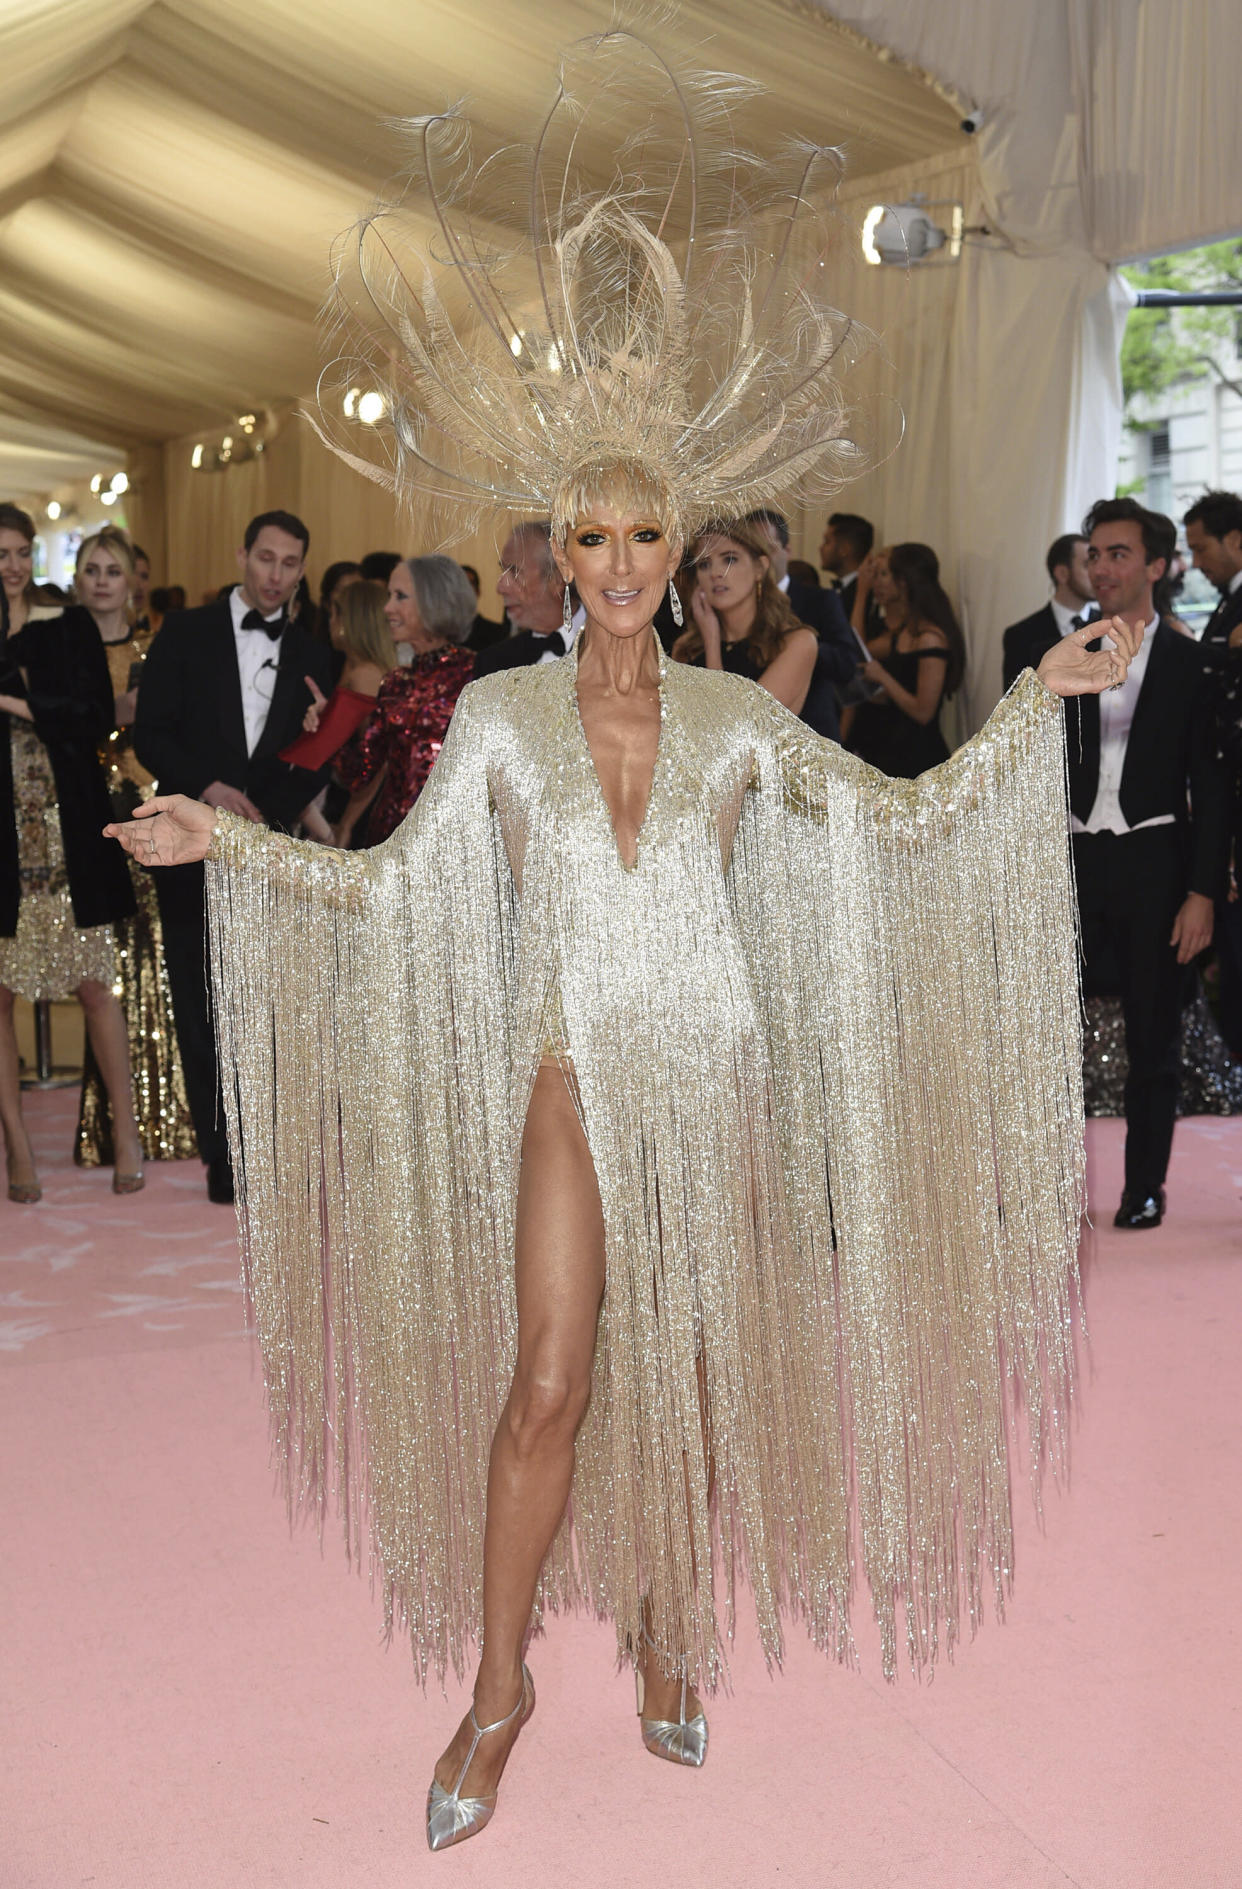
(662, 662)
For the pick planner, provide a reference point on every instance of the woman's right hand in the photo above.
(866, 574)
(705, 617)
(310, 721)
(169, 830)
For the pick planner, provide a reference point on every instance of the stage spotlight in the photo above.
(53, 509)
(120, 483)
(371, 408)
(107, 498)
(196, 457)
(350, 402)
(96, 482)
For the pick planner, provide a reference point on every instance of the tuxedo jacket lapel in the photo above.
(223, 659)
(1150, 711)
(276, 732)
(1082, 742)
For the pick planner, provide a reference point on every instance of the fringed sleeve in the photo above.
(914, 947)
(362, 1024)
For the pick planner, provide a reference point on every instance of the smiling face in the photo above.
(271, 570)
(727, 573)
(1121, 575)
(402, 615)
(16, 563)
(621, 563)
(102, 581)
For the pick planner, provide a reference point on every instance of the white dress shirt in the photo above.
(1065, 618)
(1117, 708)
(257, 657)
(570, 635)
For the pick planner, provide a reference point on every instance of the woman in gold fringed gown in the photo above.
(105, 567)
(61, 897)
(563, 1119)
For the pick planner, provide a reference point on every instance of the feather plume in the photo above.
(631, 287)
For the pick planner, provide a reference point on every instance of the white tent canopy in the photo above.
(172, 176)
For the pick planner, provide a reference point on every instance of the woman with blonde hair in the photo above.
(61, 897)
(604, 1203)
(359, 629)
(103, 579)
(742, 622)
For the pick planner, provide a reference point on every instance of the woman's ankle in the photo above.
(497, 1690)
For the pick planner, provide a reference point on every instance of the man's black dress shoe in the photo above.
(220, 1180)
(1140, 1210)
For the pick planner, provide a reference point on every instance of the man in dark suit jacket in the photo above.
(1214, 537)
(839, 658)
(533, 591)
(1149, 818)
(848, 539)
(483, 631)
(223, 690)
(1071, 605)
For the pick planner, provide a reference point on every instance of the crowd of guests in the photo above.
(325, 716)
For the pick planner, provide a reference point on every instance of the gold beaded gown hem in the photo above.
(826, 1043)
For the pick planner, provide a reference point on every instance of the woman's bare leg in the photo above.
(559, 1274)
(21, 1165)
(662, 1695)
(105, 1022)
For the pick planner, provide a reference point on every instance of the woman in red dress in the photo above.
(432, 608)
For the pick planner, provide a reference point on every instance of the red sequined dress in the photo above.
(406, 731)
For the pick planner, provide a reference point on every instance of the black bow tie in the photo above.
(255, 620)
(552, 642)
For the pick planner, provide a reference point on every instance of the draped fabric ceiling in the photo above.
(172, 177)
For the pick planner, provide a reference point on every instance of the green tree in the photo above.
(1164, 346)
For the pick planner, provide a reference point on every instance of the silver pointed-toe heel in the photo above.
(680, 1740)
(452, 1818)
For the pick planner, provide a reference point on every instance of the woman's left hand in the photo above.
(1070, 669)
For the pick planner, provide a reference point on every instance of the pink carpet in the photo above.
(191, 1698)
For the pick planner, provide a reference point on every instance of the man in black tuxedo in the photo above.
(1150, 833)
(224, 688)
(847, 540)
(839, 658)
(534, 597)
(1214, 538)
(1071, 605)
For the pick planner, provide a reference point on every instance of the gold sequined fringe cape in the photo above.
(827, 1042)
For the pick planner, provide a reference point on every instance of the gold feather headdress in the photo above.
(630, 295)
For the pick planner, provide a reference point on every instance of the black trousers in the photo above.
(183, 921)
(1129, 889)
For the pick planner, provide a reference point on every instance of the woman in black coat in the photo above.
(62, 886)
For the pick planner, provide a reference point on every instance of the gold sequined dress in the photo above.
(809, 966)
(48, 956)
(161, 1108)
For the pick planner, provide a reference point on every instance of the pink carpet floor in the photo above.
(192, 1699)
